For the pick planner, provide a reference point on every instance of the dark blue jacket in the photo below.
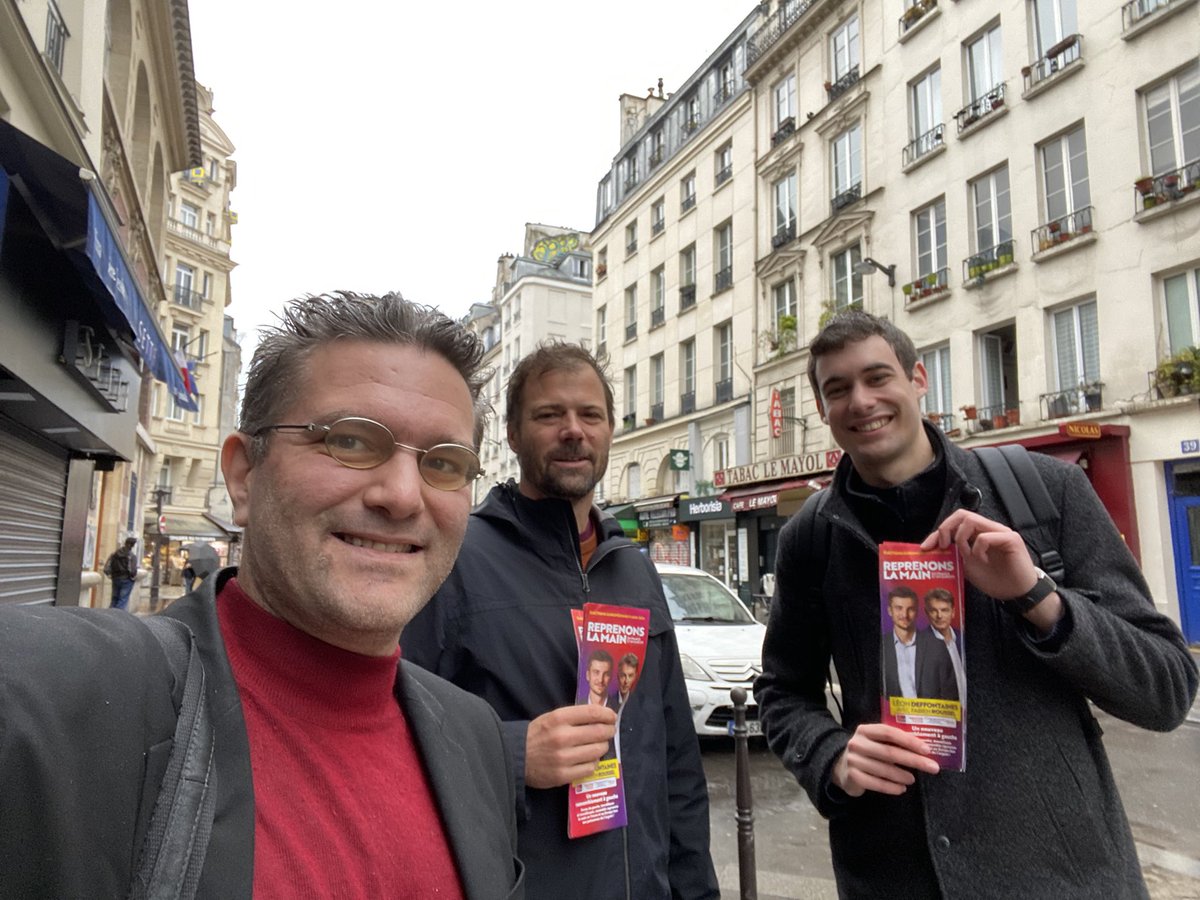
(500, 627)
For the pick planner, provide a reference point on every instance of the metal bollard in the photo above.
(747, 873)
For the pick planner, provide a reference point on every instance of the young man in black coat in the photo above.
(1036, 813)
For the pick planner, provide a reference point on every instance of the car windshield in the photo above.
(698, 598)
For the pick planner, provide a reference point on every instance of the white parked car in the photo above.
(720, 645)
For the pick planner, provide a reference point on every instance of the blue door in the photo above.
(1185, 536)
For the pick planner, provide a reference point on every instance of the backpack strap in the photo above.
(817, 534)
(1027, 502)
(177, 838)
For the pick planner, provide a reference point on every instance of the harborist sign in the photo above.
(782, 467)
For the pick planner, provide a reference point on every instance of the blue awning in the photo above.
(72, 217)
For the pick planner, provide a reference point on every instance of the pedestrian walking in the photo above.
(122, 569)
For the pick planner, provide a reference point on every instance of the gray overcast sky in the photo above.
(403, 146)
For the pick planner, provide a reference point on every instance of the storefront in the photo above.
(713, 535)
(658, 531)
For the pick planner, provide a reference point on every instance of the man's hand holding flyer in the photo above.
(921, 617)
(612, 648)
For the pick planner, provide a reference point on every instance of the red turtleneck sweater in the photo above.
(342, 805)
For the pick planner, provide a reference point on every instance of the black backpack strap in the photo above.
(177, 838)
(817, 534)
(1027, 502)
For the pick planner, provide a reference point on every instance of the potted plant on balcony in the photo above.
(1091, 395)
(1179, 373)
(970, 412)
(1004, 253)
(1012, 416)
(907, 290)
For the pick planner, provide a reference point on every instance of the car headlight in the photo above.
(692, 670)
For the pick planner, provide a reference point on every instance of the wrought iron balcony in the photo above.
(724, 92)
(631, 331)
(631, 247)
(724, 175)
(1136, 10)
(980, 264)
(687, 297)
(915, 14)
(785, 130)
(687, 203)
(1001, 415)
(843, 84)
(981, 107)
(56, 37)
(1173, 185)
(775, 27)
(723, 390)
(841, 200)
(928, 285)
(723, 280)
(656, 156)
(187, 297)
(687, 402)
(630, 183)
(690, 126)
(657, 226)
(1073, 401)
(1063, 54)
(783, 236)
(1061, 230)
(918, 147)
(656, 411)
(944, 420)
(657, 316)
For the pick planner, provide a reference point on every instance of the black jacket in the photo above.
(501, 628)
(87, 713)
(1036, 814)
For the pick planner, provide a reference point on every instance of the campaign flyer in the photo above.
(922, 648)
(612, 648)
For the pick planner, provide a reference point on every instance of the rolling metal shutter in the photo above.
(33, 489)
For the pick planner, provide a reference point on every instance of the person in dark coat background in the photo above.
(501, 628)
(1036, 813)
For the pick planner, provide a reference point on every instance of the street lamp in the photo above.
(867, 265)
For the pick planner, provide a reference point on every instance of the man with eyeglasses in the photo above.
(338, 769)
(501, 627)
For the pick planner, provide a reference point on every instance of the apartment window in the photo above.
(631, 392)
(656, 385)
(181, 336)
(658, 216)
(725, 355)
(784, 297)
(785, 444)
(687, 277)
(847, 283)
(721, 457)
(985, 64)
(185, 276)
(658, 296)
(214, 170)
(784, 94)
(1173, 121)
(687, 366)
(631, 312)
(687, 192)
(1181, 294)
(929, 226)
(176, 413)
(843, 49)
(847, 160)
(937, 368)
(691, 114)
(206, 290)
(198, 415)
(631, 171)
(1065, 175)
(784, 191)
(658, 146)
(724, 255)
(581, 268)
(631, 238)
(601, 329)
(199, 349)
(925, 114)
(1076, 346)
(724, 164)
(633, 479)
(725, 80)
(189, 215)
(210, 224)
(1053, 21)
(991, 371)
(993, 216)
(56, 36)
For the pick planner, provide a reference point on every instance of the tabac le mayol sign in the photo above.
(782, 467)
(776, 414)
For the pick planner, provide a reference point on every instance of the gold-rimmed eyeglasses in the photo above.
(359, 443)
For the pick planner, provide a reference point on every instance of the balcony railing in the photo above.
(657, 226)
(631, 247)
(783, 236)
(943, 420)
(656, 411)
(1173, 185)
(843, 84)
(724, 92)
(687, 203)
(724, 175)
(723, 390)
(927, 285)
(1073, 401)
(1002, 415)
(629, 421)
(602, 348)
(773, 29)
(785, 130)
(980, 264)
(981, 107)
(723, 280)
(56, 37)
(1060, 56)
(1062, 230)
(656, 156)
(631, 331)
(690, 126)
(687, 297)
(841, 200)
(630, 183)
(915, 14)
(192, 233)
(657, 316)
(687, 402)
(918, 147)
(187, 297)
(1136, 10)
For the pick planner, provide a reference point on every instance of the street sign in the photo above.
(776, 414)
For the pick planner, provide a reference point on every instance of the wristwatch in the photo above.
(1042, 588)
